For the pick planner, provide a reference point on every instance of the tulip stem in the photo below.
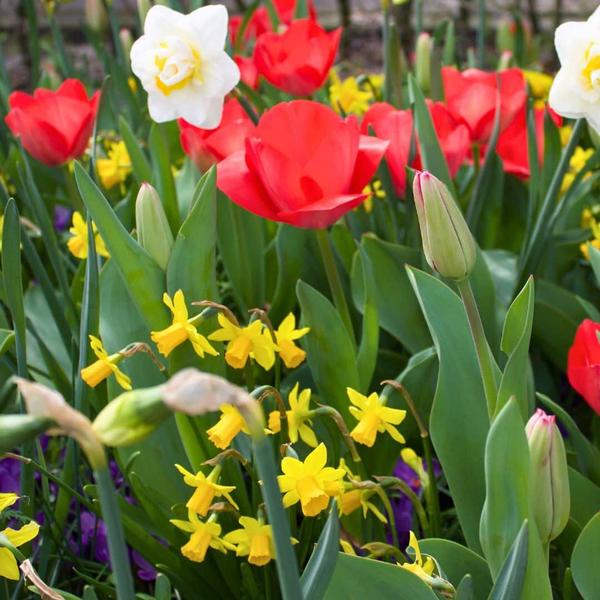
(335, 282)
(481, 345)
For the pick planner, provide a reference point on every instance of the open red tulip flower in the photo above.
(298, 60)
(248, 70)
(583, 365)
(472, 95)
(209, 146)
(303, 165)
(54, 126)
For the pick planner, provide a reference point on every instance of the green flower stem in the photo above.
(390, 512)
(481, 345)
(119, 558)
(481, 26)
(394, 482)
(335, 282)
(189, 440)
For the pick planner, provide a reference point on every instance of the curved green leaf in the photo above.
(584, 563)
(511, 578)
(141, 166)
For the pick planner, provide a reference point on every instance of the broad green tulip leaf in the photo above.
(502, 266)
(511, 579)
(366, 358)
(355, 577)
(186, 183)
(585, 497)
(142, 277)
(516, 336)
(7, 339)
(584, 563)
(321, 564)
(329, 350)
(242, 247)
(140, 164)
(459, 418)
(403, 320)
(162, 588)
(464, 590)
(457, 562)
(588, 455)
(432, 156)
(506, 467)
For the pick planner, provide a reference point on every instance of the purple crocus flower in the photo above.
(62, 217)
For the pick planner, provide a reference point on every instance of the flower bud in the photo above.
(549, 475)
(126, 40)
(154, 233)
(423, 61)
(143, 6)
(448, 244)
(95, 15)
(131, 417)
(17, 429)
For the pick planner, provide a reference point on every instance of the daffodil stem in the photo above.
(390, 512)
(189, 440)
(481, 345)
(414, 500)
(335, 281)
(119, 559)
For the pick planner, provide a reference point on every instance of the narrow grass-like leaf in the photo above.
(141, 166)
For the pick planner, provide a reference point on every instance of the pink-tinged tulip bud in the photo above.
(126, 40)
(549, 475)
(448, 244)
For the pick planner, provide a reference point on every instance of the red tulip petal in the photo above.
(370, 152)
(323, 213)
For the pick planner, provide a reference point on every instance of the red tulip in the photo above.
(304, 165)
(209, 146)
(286, 9)
(298, 60)
(258, 24)
(396, 126)
(248, 70)
(583, 368)
(472, 96)
(54, 126)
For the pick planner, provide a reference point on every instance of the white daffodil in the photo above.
(183, 66)
(575, 92)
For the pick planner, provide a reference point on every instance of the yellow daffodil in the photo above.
(410, 457)
(114, 169)
(16, 537)
(254, 540)
(423, 569)
(251, 341)
(285, 335)
(352, 498)
(104, 367)
(205, 535)
(373, 190)
(227, 427)
(565, 134)
(539, 86)
(298, 417)
(78, 242)
(347, 96)
(347, 547)
(206, 489)
(373, 416)
(274, 422)
(588, 221)
(576, 164)
(310, 482)
(132, 83)
(181, 330)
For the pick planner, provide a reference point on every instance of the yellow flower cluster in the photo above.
(576, 164)
(78, 242)
(348, 96)
(588, 221)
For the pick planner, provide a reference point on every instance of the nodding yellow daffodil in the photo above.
(78, 242)
(206, 489)
(373, 416)
(576, 164)
(410, 457)
(539, 86)
(346, 96)
(205, 535)
(373, 190)
(254, 540)
(104, 367)
(352, 498)
(181, 330)
(114, 169)
(251, 341)
(16, 537)
(285, 335)
(423, 569)
(227, 427)
(310, 482)
(298, 417)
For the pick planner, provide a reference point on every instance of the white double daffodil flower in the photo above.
(181, 63)
(575, 92)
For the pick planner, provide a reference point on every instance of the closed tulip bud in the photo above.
(143, 6)
(153, 230)
(95, 15)
(126, 40)
(423, 61)
(131, 417)
(505, 36)
(448, 244)
(549, 475)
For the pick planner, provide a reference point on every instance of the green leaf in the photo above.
(432, 156)
(459, 418)
(7, 339)
(329, 349)
(506, 468)
(142, 277)
(18, 429)
(584, 563)
(464, 590)
(356, 578)
(141, 166)
(457, 561)
(366, 358)
(321, 564)
(516, 336)
(388, 260)
(585, 497)
(511, 578)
